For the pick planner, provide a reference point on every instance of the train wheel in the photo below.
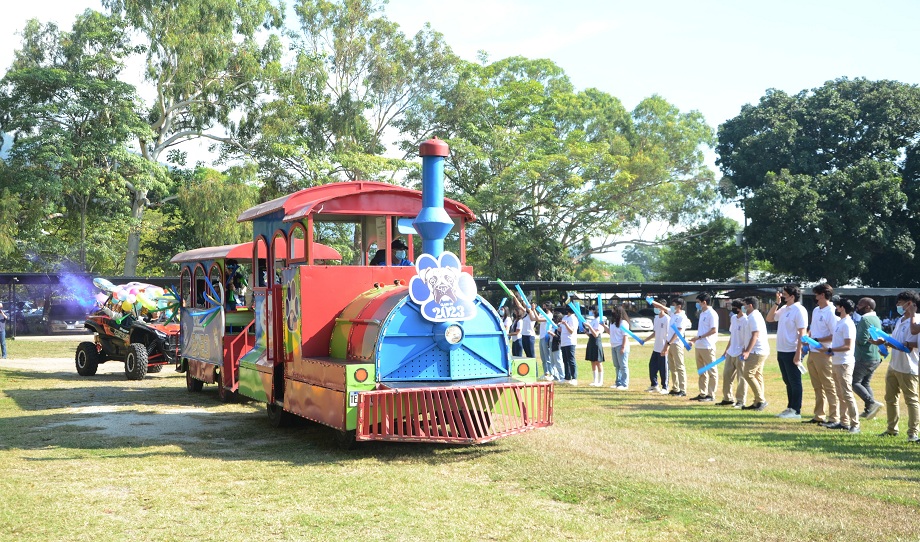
(136, 362)
(276, 415)
(224, 393)
(345, 440)
(192, 384)
(87, 359)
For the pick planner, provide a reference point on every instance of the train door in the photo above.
(273, 305)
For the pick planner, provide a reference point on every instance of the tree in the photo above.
(205, 63)
(70, 118)
(708, 252)
(538, 161)
(331, 112)
(644, 257)
(822, 173)
(594, 270)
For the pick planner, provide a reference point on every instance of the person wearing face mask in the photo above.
(820, 366)
(867, 356)
(755, 353)
(903, 370)
(843, 345)
(399, 250)
(676, 347)
(734, 361)
(658, 362)
(792, 319)
(705, 342)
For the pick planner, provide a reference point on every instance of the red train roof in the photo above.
(243, 251)
(352, 198)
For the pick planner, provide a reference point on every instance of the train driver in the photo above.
(399, 248)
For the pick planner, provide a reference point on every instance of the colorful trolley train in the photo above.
(377, 352)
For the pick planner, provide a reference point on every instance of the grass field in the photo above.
(615, 466)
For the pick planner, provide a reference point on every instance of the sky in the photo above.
(706, 55)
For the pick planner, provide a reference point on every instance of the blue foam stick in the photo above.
(577, 310)
(600, 308)
(705, 368)
(811, 342)
(523, 297)
(502, 304)
(883, 350)
(631, 334)
(877, 333)
(544, 315)
(681, 337)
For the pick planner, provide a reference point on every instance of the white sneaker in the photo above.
(622, 388)
(573, 382)
(594, 384)
(652, 389)
(548, 378)
(873, 410)
(783, 413)
(789, 414)
(663, 391)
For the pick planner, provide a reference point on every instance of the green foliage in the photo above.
(644, 257)
(594, 270)
(539, 161)
(70, 117)
(829, 192)
(708, 252)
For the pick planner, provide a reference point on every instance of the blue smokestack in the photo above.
(433, 223)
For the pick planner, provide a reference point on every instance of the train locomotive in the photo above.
(377, 352)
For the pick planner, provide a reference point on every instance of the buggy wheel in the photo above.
(136, 362)
(87, 359)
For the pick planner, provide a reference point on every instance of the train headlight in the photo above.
(453, 334)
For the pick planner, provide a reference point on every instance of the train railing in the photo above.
(235, 346)
(454, 414)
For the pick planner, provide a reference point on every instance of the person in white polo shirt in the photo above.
(820, 366)
(658, 362)
(843, 350)
(903, 376)
(738, 335)
(792, 319)
(755, 353)
(705, 342)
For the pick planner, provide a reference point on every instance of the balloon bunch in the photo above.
(133, 297)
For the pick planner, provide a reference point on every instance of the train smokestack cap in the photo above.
(433, 147)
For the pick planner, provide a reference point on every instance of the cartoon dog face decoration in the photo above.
(442, 290)
(441, 281)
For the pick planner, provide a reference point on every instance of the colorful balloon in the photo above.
(127, 306)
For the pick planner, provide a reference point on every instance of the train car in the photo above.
(376, 348)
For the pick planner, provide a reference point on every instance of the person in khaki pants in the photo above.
(734, 364)
(903, 370)
(843, 351)
(820, 367)
(676, 348)
(755, 353)
(705, 343)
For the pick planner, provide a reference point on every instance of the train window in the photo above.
(260, 269)
(346, 235)
(217, 279)
(185, 287)
(200, 287)
(297, 251)
(279, 247)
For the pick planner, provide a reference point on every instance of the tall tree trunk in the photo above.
(134, 233)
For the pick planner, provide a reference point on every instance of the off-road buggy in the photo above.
(144, 347)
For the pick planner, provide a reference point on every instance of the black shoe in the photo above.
(680, 394)
(752, 407)
(708, 399)
(673, 392)
(813, 420)
(834, 425)
(725, 403)
(699, 397)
